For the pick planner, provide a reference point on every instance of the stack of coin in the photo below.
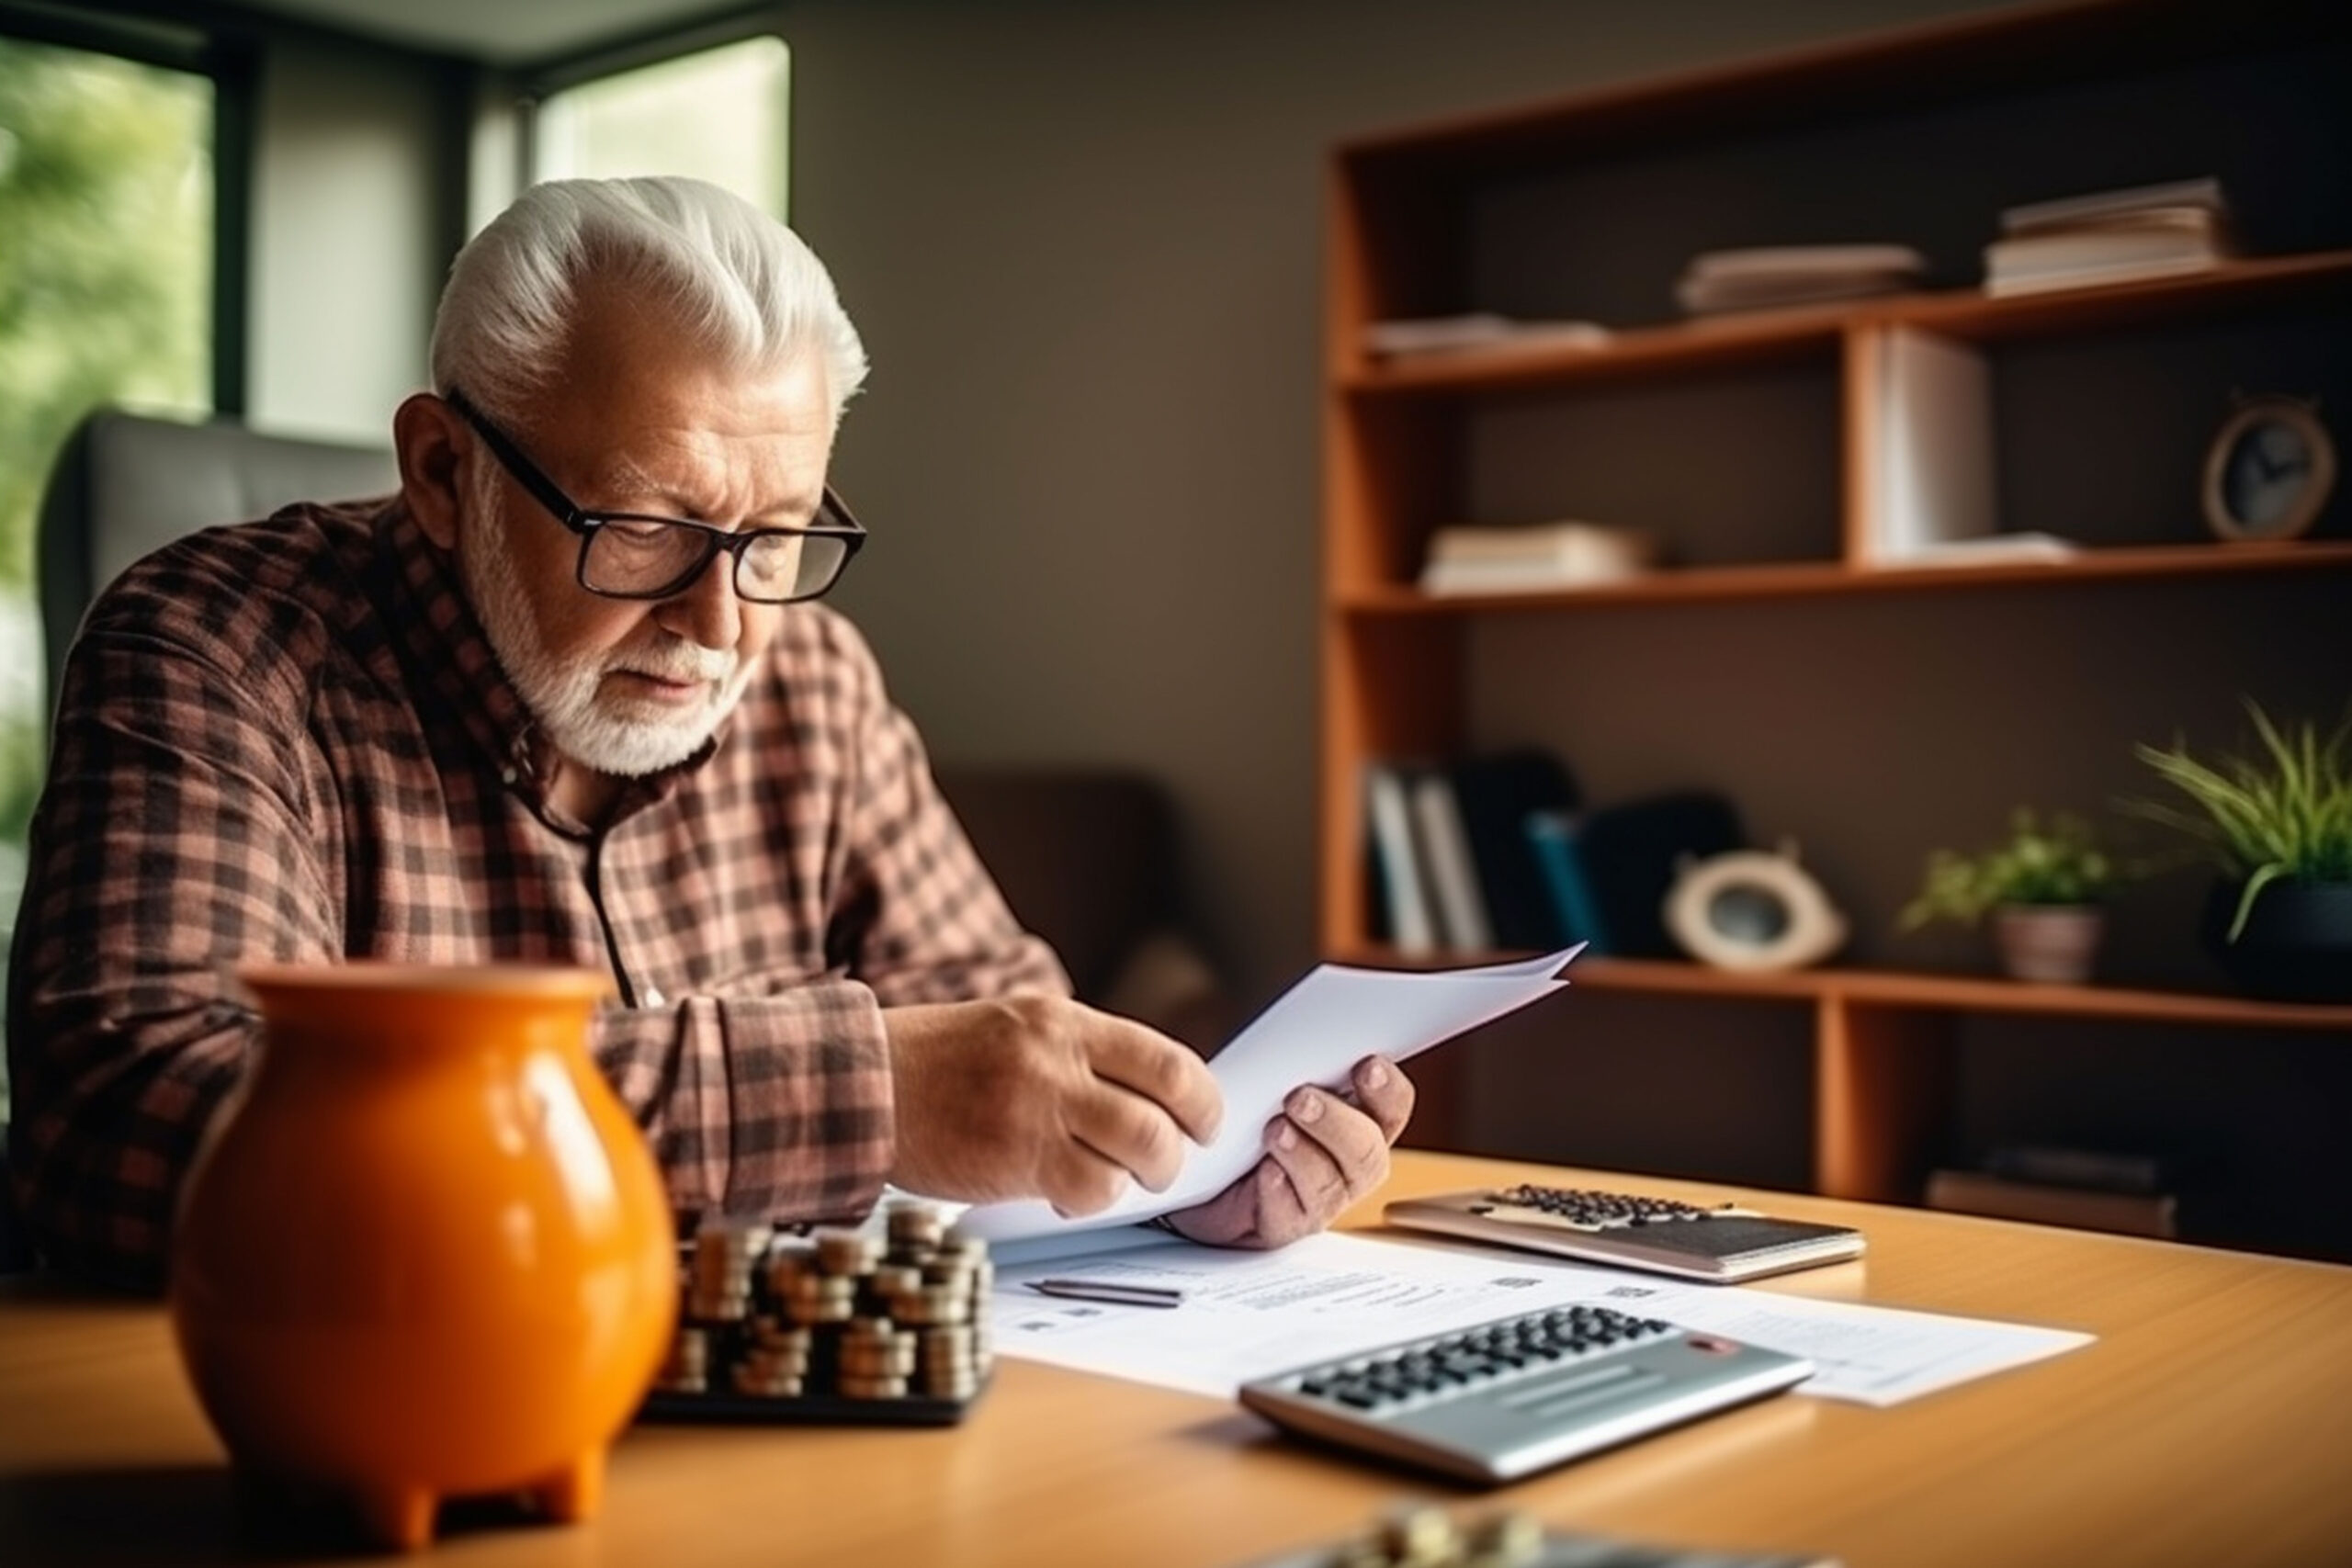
(839, 1313)
(720, 1288)
(774, 1363)
(876, 1359)
(687, 1367)
(1422, 1536)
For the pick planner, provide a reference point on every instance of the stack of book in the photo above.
(2110, 237)
(1767, 276)
(1496, 852)
(1532, 557)
(1453, 870)
(2090, 1190)
(1405, 335)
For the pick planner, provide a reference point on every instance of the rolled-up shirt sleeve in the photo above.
(770, 1105)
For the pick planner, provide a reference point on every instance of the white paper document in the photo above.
(1248, 1314)
(1312, 1033)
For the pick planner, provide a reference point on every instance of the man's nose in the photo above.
(705, 611)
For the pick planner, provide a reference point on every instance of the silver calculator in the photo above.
(1521, 1394)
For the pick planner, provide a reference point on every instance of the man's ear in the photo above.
(424, 434)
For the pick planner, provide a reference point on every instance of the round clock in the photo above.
(1751, 910)
(2270, 469)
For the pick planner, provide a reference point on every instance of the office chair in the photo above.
(126, 483)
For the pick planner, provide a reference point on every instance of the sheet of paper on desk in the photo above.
(1250, 1315)
(1314, 1032)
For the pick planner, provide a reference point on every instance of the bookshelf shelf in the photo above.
(1923, 992)
(1803, 579)
(1873, 712)
(2272, 283)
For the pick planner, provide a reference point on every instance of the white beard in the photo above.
(611, 734)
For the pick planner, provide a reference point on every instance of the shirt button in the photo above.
(653, 997)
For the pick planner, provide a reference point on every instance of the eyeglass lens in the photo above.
(654, 558)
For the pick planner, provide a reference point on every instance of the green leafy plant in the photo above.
(2283, 812)
(2057, 861)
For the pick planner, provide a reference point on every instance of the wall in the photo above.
(1084, 242)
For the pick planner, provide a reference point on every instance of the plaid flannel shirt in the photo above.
(289, 742)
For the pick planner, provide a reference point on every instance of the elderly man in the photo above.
(566, 698)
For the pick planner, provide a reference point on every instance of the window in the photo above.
(718, 115)
(105, 296)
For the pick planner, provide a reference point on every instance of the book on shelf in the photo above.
(1447, 867)
(2201, 195)
(2050, 1203)
(2110, 237)
(1629, 854)
(1404, 336)
(1576, 914)
(1933, 482)
(1993, 550)
(1408, 922)
(1451, 868)
(1497, 791)
(1609, 869)
(1533, 556)
(1759, 277)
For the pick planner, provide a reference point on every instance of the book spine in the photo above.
(1409, 923)
(1553, 836)
(1454, 880)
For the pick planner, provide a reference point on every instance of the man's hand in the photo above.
(1040, 1097)
(1322, 1154)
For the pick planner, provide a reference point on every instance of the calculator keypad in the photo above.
(1588, 1210)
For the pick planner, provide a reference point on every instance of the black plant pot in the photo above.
(2296, 945)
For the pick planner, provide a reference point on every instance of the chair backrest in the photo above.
(127, 485)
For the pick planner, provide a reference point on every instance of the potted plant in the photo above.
(2278, 819)
(2045, 888)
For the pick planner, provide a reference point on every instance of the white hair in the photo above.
(746, 286)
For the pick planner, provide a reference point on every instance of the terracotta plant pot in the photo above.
(423, 1252)
(2050, 943)
(2297, 944)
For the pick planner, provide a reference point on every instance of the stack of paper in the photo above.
(2109, 237)
(1532, 557)
(1794, 275)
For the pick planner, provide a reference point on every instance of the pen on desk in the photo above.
(1110, 1290)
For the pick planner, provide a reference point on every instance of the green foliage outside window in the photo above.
(106, 198)
(106, 287)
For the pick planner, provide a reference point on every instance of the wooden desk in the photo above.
(2211, 1423)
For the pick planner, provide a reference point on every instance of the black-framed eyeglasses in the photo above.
(631, 555)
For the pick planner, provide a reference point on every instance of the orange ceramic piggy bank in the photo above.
(423, 1252)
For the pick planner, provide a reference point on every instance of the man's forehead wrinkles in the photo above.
(620, 472)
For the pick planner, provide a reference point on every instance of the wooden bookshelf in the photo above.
(1582, 209)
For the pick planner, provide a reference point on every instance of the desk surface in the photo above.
(2211, 1423)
